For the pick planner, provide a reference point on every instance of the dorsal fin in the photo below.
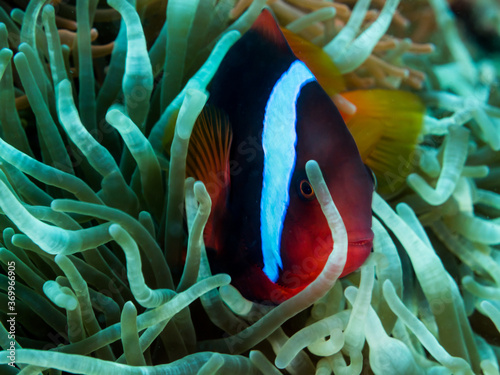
(318, 62)
(267, 26)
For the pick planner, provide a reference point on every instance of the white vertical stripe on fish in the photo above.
(279, 138)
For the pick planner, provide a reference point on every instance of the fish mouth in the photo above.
(357, 252)
(360, 239)
(361, 242)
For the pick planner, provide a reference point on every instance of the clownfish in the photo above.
(267, 115)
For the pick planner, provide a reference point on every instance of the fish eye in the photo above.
(306, 190)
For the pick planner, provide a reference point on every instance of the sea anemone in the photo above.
(105, 268)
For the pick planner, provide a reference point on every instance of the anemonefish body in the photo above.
(266, 117)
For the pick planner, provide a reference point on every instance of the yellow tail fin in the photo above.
(386, 128)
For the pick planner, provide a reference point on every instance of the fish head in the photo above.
(306, 241)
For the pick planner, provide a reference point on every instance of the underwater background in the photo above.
(104, 265)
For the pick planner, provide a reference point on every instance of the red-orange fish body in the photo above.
(266, 117)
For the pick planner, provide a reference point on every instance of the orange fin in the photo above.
(386, 128)
(208, 161)
(208, 153)
(318, 62)
(267, 26)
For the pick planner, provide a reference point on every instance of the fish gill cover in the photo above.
(104, 264)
